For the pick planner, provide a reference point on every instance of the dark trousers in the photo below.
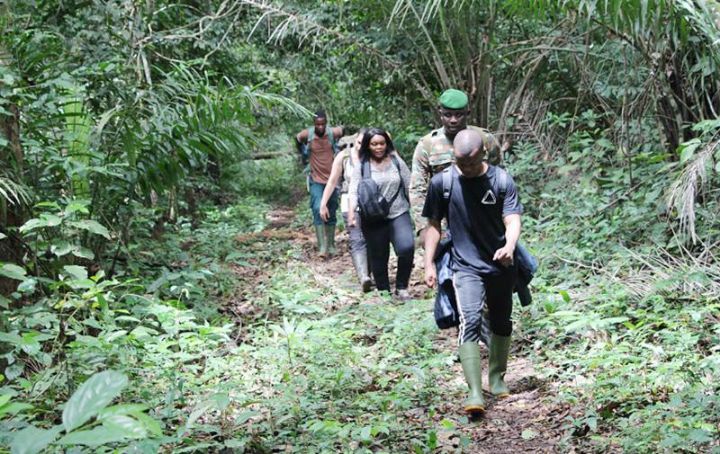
(472, 291)
(378, 236)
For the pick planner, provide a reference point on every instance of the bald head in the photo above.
(467, 144)
(469, 153)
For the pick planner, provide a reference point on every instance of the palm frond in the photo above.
(13, 192)
(683, 192)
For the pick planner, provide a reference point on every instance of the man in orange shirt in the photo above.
(320, 144)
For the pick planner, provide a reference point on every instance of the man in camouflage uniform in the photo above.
(434, 152)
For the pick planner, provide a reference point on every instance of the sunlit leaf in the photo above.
(11, 271)
(91, 397)
(92, 227)
(32, 440)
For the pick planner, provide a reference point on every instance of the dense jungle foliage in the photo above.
(146, 305)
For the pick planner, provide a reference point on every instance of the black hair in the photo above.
(365, 145)
(320, 114)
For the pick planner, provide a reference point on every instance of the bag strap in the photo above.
(503, 182)
(365, 171)
(447, 182)
(330, 136)
(402, 184)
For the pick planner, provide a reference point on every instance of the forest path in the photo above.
(528, 421)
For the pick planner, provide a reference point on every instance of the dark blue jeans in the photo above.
(316, 192)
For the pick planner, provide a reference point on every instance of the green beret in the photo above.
(453, 99)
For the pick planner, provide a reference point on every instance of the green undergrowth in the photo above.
(167, 367)
(625, 320)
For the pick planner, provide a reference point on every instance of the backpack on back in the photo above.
(527, 264)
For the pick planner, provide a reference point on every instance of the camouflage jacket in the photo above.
(433, 153)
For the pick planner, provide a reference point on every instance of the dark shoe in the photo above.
(498, 357)
(472, 368)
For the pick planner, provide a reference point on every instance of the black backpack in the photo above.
(373, 207)
(527, 264)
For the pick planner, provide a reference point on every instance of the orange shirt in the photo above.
(321, 154)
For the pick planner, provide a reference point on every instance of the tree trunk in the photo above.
(12, 157)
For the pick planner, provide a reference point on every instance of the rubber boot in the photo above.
(360, 261)
(330, 239)
(498, 357)
(472, 368)
(321, 240)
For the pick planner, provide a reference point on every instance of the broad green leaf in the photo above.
(5, 398)
(131, 427)
(122, 409)
(27, 286)
(45, 220)
(61, 248)
(76, 272)
(13, 408)
(366, 433)
(92, 227)
(11, 271)
(93, 437)
(91, 397)
(83, 252)
(149, 423)
(687, 149)
(14, 371)
(11, 338)
(565, 295)
(2, 236)
(32, 440)
(77, 206)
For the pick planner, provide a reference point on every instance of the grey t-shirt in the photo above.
(388, 180)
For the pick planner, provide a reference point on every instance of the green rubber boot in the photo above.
(321, 240)
(472, 368)
(360, 261)
(498, 357)
(330, 239)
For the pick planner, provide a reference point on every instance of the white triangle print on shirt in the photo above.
(489, 198)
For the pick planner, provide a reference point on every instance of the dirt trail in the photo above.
(525, 422)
